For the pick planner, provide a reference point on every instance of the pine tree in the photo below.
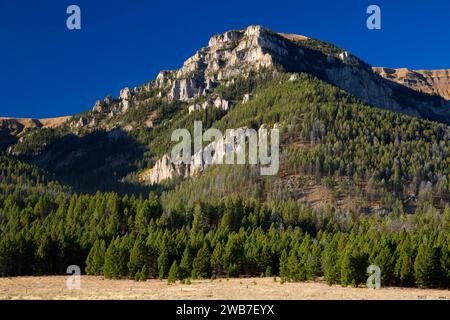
(173, 273)
(353, 267)
(330, 264)
(142, 217)
(201, 266)
(445, 265)
(292, 268)
(137, 276)
(217, 259)
(96, 258)
(385, 259)
(284, 273)
(163, 262)
(185, 269)
(404, 267)
(234, 254)
(143, 275)
(115, 261)
(314, 261)
(198, 224)
(138, 256)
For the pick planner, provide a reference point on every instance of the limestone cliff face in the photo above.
(238, 52)
(231, 54)
(165, 168)
(427, 81)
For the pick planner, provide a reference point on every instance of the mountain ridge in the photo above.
(218, 78)
(434, 81)
(205, 70)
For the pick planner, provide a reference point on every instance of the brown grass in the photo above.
(54, 287)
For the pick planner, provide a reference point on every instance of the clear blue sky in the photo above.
(47, 70)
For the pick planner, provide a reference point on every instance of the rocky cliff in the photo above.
(239, 52)
(215, 153)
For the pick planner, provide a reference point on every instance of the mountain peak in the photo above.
(237, 53)
(228, 55)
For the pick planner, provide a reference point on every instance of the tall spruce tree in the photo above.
(173, 273)
(201, 266)
(96, 258)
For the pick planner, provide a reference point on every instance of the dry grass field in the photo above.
(54, 287)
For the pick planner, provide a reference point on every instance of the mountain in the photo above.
(12, 129)
(242, 51)
(127, 138)
(433, 82)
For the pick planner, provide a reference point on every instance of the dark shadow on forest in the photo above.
(97, 161)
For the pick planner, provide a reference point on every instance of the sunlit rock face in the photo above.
(427, 81)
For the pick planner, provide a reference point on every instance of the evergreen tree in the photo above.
(386, 260)
(445, 265)
(96, 258)
(353, 267)
(201, 266)
(163, 262)
(284, 273)
(404, 268)
(217, 259)
(426, 265)
(198, 223)
(292, 268)
(185, 269)
(116, 260)
(173, 273)
(138, 256)
(330, 264)
(143, 274)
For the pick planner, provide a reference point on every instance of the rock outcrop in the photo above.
(228, 55)
(125, 97)
(218, 103)
(215, 152)
(98, 107)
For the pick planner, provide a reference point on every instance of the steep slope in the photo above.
(334, 151)
(11, 129)
(241, 51)
(434, 82)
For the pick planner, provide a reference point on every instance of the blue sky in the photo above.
(47, 70)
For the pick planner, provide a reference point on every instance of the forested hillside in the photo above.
(44, 230)
(230, 222)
